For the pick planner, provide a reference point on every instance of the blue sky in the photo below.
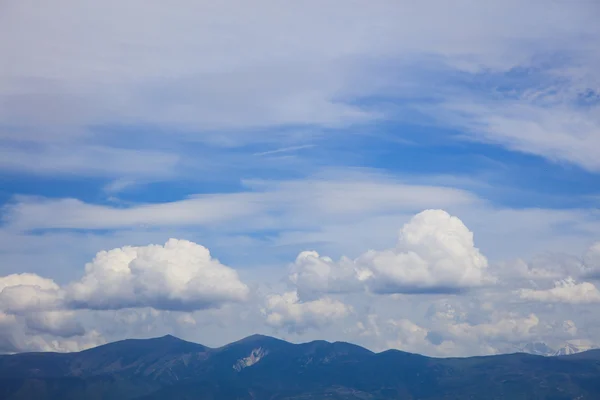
(261, 133)
(512, 179)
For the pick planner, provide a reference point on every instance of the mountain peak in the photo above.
(537, 348)
(168, 337)
(258, 338)
(567, 348)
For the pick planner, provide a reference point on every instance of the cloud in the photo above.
(407, 335)
(46, 331)
(550, 266)
(180, 275)
(110, 105)
(591, 261)
(58, 323)
(472, 324)
(27, 279)
(333, 197)
(299, 76)
(20, 293)
(558, 129)
(36, 314)
(500, 332)
(320, 280)
(284, 150)
(87, 160)
(444, 311)
(24, 298)
(76, 214)
(90, 339)
(564, 291)
(505, 328)
(314, 275)
(434, 254)
(287, 311)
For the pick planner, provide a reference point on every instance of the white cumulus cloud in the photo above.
(435, 254)
(58, 323)
(27, 279)
(37, 314)
(287, 311)
(180, 275)
(313, 274)
(507, 328)
(564, 291)
(20, 293)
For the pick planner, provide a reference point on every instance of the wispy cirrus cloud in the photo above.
(288, 149)
(265, 205)
(316, 78)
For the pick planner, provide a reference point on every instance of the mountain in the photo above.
(537, 348)
(573, 347)
(567, 348)
(262, 367)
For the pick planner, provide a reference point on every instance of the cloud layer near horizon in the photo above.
(435, 257)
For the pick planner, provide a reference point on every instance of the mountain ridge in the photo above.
(568, 347)
(259, 366)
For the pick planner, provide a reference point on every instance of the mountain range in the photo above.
(567, 348)
(261, 367)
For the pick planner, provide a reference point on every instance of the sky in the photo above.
(422, 176)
